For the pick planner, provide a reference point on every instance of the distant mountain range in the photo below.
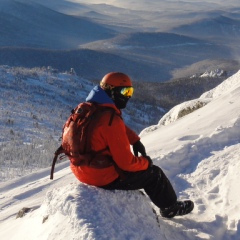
(98, 38)
(26, 24)
(218, 29)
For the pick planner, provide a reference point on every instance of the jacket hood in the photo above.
(99, 96)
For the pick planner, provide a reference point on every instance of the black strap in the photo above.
(111, 118)
(57, 153)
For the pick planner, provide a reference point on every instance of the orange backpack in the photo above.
(76, 136)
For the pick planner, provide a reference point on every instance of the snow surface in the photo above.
(200, 154)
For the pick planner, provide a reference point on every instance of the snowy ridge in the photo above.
(199, 153)
(213, 73)
(181, 110)
(190, 106)
(222, 88)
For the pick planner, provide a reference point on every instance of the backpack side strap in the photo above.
(59, 151)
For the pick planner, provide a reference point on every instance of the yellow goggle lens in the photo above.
(127, 91)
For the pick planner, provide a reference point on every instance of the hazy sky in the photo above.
(145, 4)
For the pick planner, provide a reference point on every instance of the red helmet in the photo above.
(115, 79)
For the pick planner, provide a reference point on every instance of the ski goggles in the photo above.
(127, 91)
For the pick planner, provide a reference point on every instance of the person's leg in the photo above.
(153, 181)
(157, 187)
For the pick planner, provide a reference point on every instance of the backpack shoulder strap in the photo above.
(100, 110)
(113, 114)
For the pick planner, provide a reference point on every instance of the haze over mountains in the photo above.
(153, 41)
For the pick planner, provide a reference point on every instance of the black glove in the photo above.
(149, 160)
(139, 147)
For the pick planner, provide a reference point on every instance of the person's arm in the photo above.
(132, 136)
(119, 145)
(134, 140)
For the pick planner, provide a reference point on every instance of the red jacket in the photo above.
(117, 138)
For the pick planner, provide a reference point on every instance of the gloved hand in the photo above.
(139, 147)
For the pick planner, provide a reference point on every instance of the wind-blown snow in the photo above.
(200, 154)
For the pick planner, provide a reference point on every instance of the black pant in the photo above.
(153, 181)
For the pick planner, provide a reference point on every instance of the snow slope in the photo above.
(200, 154)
